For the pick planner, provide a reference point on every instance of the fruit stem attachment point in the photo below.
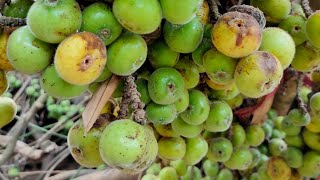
(214, 10)
(132, 96)
(306, 7)
(12, 22)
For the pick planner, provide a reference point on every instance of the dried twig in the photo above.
(306, 7)
(20, 125)
(12, 22)
(108, 174)
(301, 104)
(214, 10)
(68, 174)
(63, 155)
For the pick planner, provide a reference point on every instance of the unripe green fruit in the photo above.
(315, 103)
(254, 176)
(160, 55)
(238, 135)
(56, 87)
(274, 10)
(293, 157)
(183, 101)
(289, 127)
(85, 148)
(18, 8)
(256, 157)
(142, 87)
(225, 174)
(276, 133)
(149, 177)
(295, 141)
(220, 117)
(154, 169)
(264, 71)
(236, 34)
(306, 59)
(296, 9)
(189, 71)
(98, 19)
(197, 55)
(165, 86)
(183, 38)
(119, 61)
(180, 166)
(210, 168)
(313, 28)
(165, 130)
(255, 135)
(180, 11)
(186, 130)
(298, 117)
(240, 159)
(161, 114)
(8, 109)
(310, 167)
(128, 145)
(53, 21)
(311, 139)
(277, 146)
(236, 101)
(168, 173)
(196, 149)
(279, 43)
(295, 25)
(219, 67)
(173, 148)
(140, 17)
(26, 53)
(267, 128)
(226, 94)
(220, 150)
(198, 109)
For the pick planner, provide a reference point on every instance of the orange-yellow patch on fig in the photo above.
(236, 34)
(80, 58)
(4, 61)
(203, 13)
(4, 84)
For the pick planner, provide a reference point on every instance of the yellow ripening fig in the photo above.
(4, 84)
(80, 58)
(4, 61)
(236, 34)
(8, 109)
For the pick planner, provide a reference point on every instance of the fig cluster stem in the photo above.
(12, 22)
(132, 96)
(306, 7)
(301, 104)
(214, 10)
(20, 126)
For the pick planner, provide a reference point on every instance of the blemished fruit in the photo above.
(165, 86)
(166, 130)
(119, 61)
(196, 149)
(203, 13)
(80, 58)
(4, 61)
(4, 83)
(219, 118)
(219, 67)
(161, 114)
(85, 149)
(306, 59)
(98, 19)
(160, 55)
(295, 25)
(277, 146)
(183, 38)
(278, 169)
(128, 145)
(186, 130)
(240, 159)
(236, 34)
(141, 17)
(312, 29)
(310, 167)
(183, 102)
(264, 71)
(172, 148)
(26, 53)
(198, 109)
(274, 10)
(220, 150)
(8, 109)
(53, 21)
(189, 71)
(180, 11)
(279, 43)
(312, 140)
(56, 87)
(255, 135)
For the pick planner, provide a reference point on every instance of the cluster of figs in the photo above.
(173, 50)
